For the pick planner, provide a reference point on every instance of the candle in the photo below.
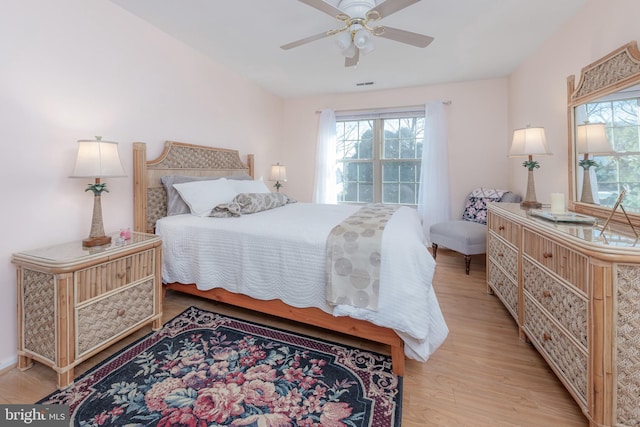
(557, 203)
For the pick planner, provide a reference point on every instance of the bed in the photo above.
(261, 268)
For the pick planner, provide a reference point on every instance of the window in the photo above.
(379, 159)
(620, 169)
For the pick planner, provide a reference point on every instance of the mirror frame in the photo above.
(617, 70)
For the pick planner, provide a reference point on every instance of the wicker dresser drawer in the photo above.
(97, 280)
(566, 263)
(504, 287)
(568, 359)
(565, 304)
(504, 228)
(504, 255)
(105, 318)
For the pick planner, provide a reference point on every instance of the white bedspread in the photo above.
(281, 254)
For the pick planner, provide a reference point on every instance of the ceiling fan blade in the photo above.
(388, 7)
(352, 62)
(323, 6)
(407, 37)
(304, 41)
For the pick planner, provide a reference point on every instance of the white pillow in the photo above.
(203, 196)
(250, 186)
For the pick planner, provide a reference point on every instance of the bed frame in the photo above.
(150, 204)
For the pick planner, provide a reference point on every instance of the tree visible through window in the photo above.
(378, 160)
(620, 169)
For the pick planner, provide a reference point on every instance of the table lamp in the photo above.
(97, 159)
(528, 142)
(278, 173)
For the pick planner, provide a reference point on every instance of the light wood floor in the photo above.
(483, 375)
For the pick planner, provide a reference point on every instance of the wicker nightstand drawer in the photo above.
(105, 318)
(565, 305)
(95, 281)
(568, 359)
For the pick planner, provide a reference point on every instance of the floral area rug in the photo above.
(203, 369)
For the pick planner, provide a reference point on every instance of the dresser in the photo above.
(574, 292)
(74, 301)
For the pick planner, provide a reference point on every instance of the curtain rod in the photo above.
(386, 108)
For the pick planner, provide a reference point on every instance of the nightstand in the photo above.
(74, 301)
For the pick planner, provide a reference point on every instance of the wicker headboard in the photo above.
(178, 158)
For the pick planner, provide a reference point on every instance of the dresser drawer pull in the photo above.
(121, 275)
(547, 255)
(501, 227)
(121, 312)
(546, 337)
(546, 294)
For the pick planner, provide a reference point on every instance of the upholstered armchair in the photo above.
(468, 235)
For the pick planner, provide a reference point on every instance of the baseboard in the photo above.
(7, 364)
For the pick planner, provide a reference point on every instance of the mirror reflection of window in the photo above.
(619, 170)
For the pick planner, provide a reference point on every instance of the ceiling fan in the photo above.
(355, 37)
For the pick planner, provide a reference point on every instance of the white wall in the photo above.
(73, 69)
(477, 132)
(538, 88)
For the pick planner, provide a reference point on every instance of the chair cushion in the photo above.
(466, 237)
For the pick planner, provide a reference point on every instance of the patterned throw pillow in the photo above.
(476, 208)
(248, 203)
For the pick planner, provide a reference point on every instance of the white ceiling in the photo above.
(474, 39)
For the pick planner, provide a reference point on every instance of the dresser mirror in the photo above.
(604, 136)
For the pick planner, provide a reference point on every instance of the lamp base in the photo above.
(530, 205)
(96, 241)
(587, 193)
(530, 201)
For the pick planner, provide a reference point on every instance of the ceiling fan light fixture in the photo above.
(355, 34)
(356, 8)
(343, 40)
(367, 49)
(362, 39)
(350, 52)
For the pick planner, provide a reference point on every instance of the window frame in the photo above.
(619, 155)
(378, 119)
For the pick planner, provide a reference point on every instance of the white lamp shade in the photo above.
(592, 138)
(528, 141)
(343, 40)
(350, 52)
(98, 159)
(278, 173)
(362, 39)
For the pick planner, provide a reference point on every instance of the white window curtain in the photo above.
(434, 200)
(325, 188)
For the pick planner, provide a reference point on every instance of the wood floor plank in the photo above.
(483, 375)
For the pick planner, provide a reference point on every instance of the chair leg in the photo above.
(467, 263)
(434, 248)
